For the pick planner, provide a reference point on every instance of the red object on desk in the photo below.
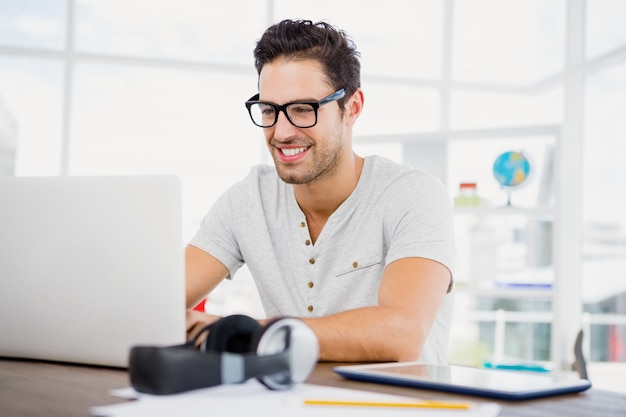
(200, 305)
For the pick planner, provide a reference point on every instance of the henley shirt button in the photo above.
(307, 242)
(310, 308)
(355, 264)
(302, 224)
(312, 261)
(310, 284)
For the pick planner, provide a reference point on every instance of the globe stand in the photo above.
(509, 191)
(508, 198)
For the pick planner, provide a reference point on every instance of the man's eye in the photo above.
(267, 110)
(301, 109)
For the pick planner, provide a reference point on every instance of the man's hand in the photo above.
(196, 321)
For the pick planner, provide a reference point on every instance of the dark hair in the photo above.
(303, 39)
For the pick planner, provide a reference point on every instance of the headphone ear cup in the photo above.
(235, 334)
(293, 334)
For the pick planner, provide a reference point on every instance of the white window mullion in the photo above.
(68, 81)
(567, 302)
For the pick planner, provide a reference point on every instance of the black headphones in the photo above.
(237, 348)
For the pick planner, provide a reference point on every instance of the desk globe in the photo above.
(511, 169)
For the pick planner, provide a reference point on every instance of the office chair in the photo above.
(580, 364)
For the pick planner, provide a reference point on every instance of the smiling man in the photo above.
(361, 249)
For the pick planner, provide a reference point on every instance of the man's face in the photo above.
(302, 155)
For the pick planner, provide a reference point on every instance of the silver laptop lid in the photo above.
(90, 266)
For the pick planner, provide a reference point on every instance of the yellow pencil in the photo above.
(408, 404)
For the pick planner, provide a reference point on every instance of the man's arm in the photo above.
(203, 273)
(410, 294)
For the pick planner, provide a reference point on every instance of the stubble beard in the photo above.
(324, 164)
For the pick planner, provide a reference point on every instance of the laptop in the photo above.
(90, 266)
(501, 384)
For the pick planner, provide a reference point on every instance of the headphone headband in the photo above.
(281, 354)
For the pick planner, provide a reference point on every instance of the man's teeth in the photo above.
(293, 151)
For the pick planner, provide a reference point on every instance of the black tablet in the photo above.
(494, 383)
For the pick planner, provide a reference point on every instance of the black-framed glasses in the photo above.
(300, 113)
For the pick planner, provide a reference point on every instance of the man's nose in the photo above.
(283, 129)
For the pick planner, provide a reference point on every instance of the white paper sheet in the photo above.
(252, 400)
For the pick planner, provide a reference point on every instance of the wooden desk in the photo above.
(31, 388)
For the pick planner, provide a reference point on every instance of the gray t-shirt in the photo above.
(394, 212)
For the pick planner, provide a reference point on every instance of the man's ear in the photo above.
(354, 107)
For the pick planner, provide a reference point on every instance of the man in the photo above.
(361, 249)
